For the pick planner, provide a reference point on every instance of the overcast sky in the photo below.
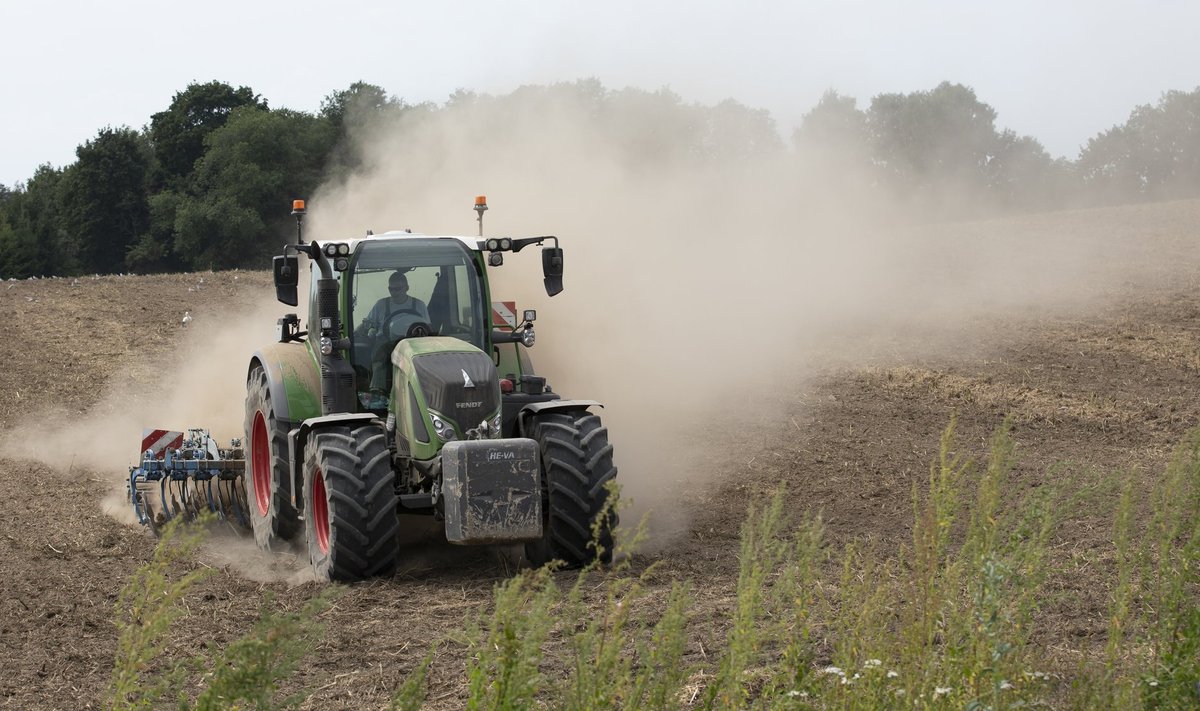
(1059, 71)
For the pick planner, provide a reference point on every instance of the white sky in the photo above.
(1059, 71)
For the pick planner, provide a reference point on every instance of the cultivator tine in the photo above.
(187, 475)
(213, 498)
(230, 500)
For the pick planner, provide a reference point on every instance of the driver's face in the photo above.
(399, 291)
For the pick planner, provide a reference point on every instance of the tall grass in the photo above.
(1152, 657)
(246, 673)
(951, 619)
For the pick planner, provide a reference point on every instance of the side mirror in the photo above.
(287, 276)
(552, 269)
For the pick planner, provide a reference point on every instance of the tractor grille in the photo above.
(444, 387)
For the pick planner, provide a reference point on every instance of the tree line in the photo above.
(202, 184)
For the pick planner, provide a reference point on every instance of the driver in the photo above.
(376, 324)
(397, 301)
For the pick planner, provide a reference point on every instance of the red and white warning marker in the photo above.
(157, 441)
(504, 313)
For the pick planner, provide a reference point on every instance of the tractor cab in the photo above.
(408, 286)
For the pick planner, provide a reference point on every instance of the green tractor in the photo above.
(411, 392)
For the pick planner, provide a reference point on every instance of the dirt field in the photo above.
(1106, 385)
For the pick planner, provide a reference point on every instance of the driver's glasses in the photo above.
(397, 289)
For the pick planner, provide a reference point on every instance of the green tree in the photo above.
(155, 249)
(835, 126)
(1106, 165)
(357, 105)
(32, 241)
(352, 111)
(943, 136)
(1155, 154)
(178, 133)
(833, 146)
(832, 149)
(18, 256)
(1020, 173)
(104, 196)
(733, 134)
(253, 166)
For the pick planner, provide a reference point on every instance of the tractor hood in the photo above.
(457, 380)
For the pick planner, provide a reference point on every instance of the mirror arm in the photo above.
(519, 244)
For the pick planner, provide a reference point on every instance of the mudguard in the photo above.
(295, 380)
(534, 408)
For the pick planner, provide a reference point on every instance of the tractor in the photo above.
(407, 390)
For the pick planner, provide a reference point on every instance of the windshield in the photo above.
(395, 284)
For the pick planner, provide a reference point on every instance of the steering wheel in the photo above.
(405, 323)
(420, 329)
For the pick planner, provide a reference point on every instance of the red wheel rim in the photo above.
(320, 511)
(260, 463)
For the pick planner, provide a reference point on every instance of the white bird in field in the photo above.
(187, 318)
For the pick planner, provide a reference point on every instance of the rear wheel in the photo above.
(577, 462)
(350, 504)
(267, 479)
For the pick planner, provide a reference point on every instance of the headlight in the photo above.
(494, 426)
(527, 337)
(443, 429)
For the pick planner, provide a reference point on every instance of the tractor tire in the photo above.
(268, 479)
(577, 462)
(350, 504)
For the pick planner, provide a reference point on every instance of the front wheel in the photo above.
(350, 504)
(577, 463)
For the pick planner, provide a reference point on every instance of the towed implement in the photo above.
(185, 475)
(409, 393)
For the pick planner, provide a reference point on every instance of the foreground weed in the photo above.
(946, 621)
(502, 669)
(763, 553)
(1174, 587)
(1152, 656)
(943, 622)
(146, 611)
(248, 670)
(933, 576)
(802, 603)
(662, 673)
(601, 644)
(611, 663)
(411, 694)
(1005, 555)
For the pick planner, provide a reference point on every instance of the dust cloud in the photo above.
(699, 290)
(699, 293)
(205, 388)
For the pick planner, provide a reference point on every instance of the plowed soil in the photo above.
(1107, 385)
